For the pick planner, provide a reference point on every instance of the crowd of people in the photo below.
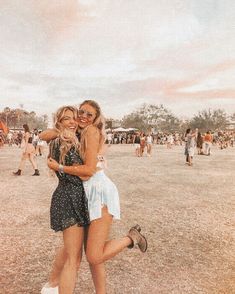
(29, 142)
(86, 201)
(16, 138)
(143, 141)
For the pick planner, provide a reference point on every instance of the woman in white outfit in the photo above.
(149, 142)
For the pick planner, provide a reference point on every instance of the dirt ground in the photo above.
(186, 213)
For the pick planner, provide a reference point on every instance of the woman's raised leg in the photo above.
(98, 248)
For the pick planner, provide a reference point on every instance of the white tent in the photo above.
(132, 129)
(120, 130)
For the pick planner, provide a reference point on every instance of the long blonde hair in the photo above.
(99, 123)
(66, 139)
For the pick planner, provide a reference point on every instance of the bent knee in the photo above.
(94, 259)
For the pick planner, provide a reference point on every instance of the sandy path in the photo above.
(187, 214)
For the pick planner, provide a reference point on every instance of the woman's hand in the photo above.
(52, 164)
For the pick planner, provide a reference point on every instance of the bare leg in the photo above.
(32, 160)
(73, 240)
(136, 152)
(97, 271)
(98, 249)
(98, 277)
(22, 161)
(190, 160)
(57, 267)
(37, 150)
(41, 150)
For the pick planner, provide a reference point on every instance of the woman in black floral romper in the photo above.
(69, 209)
(69, 202)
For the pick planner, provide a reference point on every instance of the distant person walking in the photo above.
(40, 146)
(190, 144)
(28, 153)
(149, 142)
(142, 143)
(199, 143)
(170, 141)
(2, 139)
(19, 139)
(208, 142)
(137, 144)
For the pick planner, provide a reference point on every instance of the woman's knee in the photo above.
(94, 259)
(73, 253)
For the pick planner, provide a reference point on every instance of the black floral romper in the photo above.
(69, 203)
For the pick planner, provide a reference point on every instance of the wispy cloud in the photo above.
(121, 53)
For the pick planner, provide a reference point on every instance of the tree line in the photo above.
(15, 118)
(146, 117)
(159, 118)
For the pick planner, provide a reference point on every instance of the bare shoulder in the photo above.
(92, 131)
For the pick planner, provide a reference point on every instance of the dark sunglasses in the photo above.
(87, 113)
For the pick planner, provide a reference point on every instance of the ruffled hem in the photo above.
(68, 223)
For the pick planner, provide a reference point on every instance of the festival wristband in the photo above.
(61, 168)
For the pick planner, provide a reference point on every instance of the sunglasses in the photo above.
(86, 113)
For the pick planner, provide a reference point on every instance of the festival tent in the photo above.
(3, 127)
(132, 129)
(120, 130)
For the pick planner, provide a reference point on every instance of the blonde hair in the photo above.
(99, 123)
(66, 139)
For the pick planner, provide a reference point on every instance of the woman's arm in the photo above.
(48, 135)
(91, 152)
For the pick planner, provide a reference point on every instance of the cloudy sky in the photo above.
(180, 53)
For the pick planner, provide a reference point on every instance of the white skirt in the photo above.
(101, 191)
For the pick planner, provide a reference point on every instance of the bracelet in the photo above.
(61, 168)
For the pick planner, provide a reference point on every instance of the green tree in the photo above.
(149, 116)
(210, 120)
(15, 118)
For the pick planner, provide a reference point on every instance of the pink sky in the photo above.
(121, 53)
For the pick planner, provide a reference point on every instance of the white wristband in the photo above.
(61, 168)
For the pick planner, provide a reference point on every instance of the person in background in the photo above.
(149, 143)
(136, 141)
(35, 138)
(28, 153)
(19, 139)
(2, 139)
(208, 139)
(142, 143)
(190, 144)
(40, 145)
(199, 140)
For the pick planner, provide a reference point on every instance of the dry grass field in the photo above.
(187, 214)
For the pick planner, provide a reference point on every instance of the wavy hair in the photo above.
(99, 123)
(66, 138)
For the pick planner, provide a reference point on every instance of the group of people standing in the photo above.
(194, 139)
(142, 141)
(85, 201)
